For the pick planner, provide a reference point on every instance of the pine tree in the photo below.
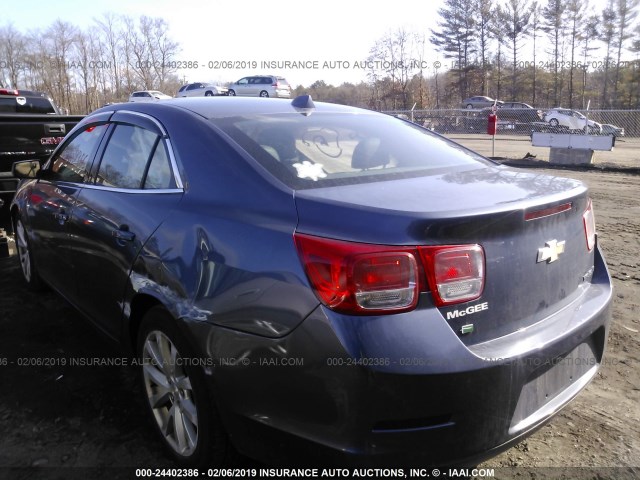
(575, 17)
(514, 17)
(454, 39)
(553, 23)
(626, 15)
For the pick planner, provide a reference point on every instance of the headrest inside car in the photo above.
(369, 154)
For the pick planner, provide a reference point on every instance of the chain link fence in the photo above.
(524, 121)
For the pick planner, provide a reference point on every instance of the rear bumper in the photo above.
(401, 390)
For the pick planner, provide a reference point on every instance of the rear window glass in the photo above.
(326, 149)
(22, 104)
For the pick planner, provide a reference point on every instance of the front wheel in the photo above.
(554, 122)
(232, 93)
(208, 94)
(176, 395)
(264, 94)
(29, 271)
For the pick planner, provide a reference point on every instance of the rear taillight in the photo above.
(5, 91)
(589, 222)
(354, 277)
(455, 273)
(363, 278)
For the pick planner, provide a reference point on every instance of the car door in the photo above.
(135, 186)
(241, 87)
(195, 90)
(53, 199)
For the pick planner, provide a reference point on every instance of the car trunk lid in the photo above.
(530, 227)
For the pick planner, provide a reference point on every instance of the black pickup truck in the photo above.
(30, 128)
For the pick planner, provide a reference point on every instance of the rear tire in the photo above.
(232, 93)
(554, 122)
(264, 94)
(208, 94)
(25, 255)
(176, 395)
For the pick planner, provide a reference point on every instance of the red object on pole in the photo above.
(492, 122)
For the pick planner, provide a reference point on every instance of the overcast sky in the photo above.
(329, 36)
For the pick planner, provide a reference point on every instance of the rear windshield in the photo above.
(21, 104)
(327, 149)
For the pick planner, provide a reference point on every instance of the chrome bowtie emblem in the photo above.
(551, 251)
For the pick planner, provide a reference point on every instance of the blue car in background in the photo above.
(316, 284)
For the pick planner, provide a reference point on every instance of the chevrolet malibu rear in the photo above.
(358, 290)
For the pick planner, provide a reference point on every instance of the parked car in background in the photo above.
(333, 287)
(570, 119)
(201, 90)
(516, 112)
(148, 96)
(31, 126)
(261, 86)
(479, 102)
(608, 129)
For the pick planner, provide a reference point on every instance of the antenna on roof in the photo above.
(303, 104)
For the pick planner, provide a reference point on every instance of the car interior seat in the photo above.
(369, 153)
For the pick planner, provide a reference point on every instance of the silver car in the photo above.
(198, 89)
(479, 102)
(261, 86)
(148, 96)
(571, 119)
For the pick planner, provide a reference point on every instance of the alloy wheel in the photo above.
(169, 393)
(23, 250)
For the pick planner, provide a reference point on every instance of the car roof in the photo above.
(231, 106)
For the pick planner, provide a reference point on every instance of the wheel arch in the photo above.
(141, 303)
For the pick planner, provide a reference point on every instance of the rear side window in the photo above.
(125, 158)
(135, 158)
(159, 175)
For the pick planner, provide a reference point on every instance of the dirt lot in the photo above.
(55, 416)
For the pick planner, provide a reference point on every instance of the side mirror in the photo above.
(26, 169)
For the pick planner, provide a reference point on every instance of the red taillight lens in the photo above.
(353, 277)
(385, 280)
(455, 273)
(364, 278)
(6, 91)
(589, 221)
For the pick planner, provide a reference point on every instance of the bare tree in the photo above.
(112, 41)
(61, 38)
(392, 59)
(12, 51)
